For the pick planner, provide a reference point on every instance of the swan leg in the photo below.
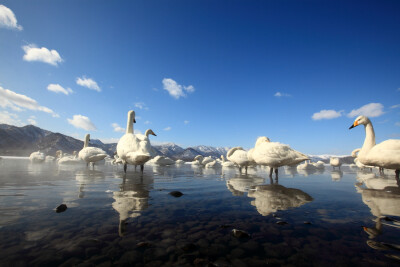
(240, 169)
(270, 172)
(141, 168)
(135, 167)
(397, 174)
(125, 166)
(245, 169)
(276, 174)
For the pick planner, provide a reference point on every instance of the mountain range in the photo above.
(22, 141)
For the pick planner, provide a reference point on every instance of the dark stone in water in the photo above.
(61, 208)
(224, 226)
(176, 194)
(189, 247)
(307, 222)
(240, 234)
(143, 245)
(281, 222)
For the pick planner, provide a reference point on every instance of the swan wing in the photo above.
(385, 154)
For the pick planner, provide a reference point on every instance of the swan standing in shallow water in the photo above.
(238, 156)
(275, 155)
(335, 162)
(91, 154)
(131, 149)
(384, 155)
(226, 163)
(145, 138)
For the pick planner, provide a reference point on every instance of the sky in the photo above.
(218, 73)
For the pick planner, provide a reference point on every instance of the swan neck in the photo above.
(129, 125)
(369, 141)
(147, 133)
(86, 143)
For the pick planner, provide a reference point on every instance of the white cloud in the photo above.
(32, 53)
(88, 83)
(118, 128)
(369, 110)
(32, 120)
(59, 89)
(109, 140)
(167, 128)
(326, 114)
(10, 118)
(141, 105)
(176, 90)
(397, 124)
(8, 19)
(147, 122)
(83, 122)
(279, 94)
(16, 102)
(186, 122)
(395, 106)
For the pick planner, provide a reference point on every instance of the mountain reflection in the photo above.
(132, 198)
(87, 177)
(273, 197)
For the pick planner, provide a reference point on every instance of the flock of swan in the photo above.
(136, 149)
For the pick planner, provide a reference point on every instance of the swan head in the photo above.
(360, 120)
(150, 131)
(262, 139)
(131, 114)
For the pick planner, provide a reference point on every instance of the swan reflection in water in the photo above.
(88, 177)
(241, 183)
(132, 198)
(273, 197)
(382, 196)
(336, 175)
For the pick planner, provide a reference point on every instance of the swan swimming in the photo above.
(37, 157)
(275, 154)
(131, 149)
(384, 155)
(91, 154)
(226, 163)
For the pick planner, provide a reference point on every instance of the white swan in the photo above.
(70, 160)
(335, 162)
(207, 160)
(226, 163)
(213, 164)
(275, 154)
(239, 156)
(179, 162)
(384, 155)
(145, 138)
(131, 149)
(37, 157)
(319, 165)
(306, 166)
(91, 154)
(163, 161)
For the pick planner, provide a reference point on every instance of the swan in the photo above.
(318, 165)
(275, 154)
(91, 154)
(306, 166)
(68, 159)
(131, 149)
(335, 162)
(179, 162)
(213, 164)
(239, 156)
(37, 157)
(163, 161)
(226, 163)
(207, 160)
(145, 138)
(384, 155)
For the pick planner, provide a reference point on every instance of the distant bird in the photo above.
(145, 138)
(335, 162)
(275, 154)
(179, 162)
(319, 165)
(70, 159)
(91, 154)
(384, 155)
(238, 156)
(37, 157)
(207, 160)
(213, 164)
(306, 166)
(131, 149)
(226, 163)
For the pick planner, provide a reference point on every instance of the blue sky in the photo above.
(217, 73)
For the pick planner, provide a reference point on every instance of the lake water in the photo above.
(301, 219)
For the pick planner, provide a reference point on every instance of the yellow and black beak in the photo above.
(353, 125)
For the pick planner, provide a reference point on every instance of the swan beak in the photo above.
(154, 134)
(134, 121)
(354, 125)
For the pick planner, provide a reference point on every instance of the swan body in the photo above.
(319, 165)
(91, 154)
(131, 149)
(306, 166)
(207, 160)
(335, 162)
(50, 159)
(275, 154)
(37, 157)
(70, 160)
(239, 156)
(226, 163)
(179, 162)
(384, 155)
(213, 164)
(163, 161)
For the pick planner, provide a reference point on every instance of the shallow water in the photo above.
(302, 219)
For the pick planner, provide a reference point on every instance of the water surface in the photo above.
(302, 218)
